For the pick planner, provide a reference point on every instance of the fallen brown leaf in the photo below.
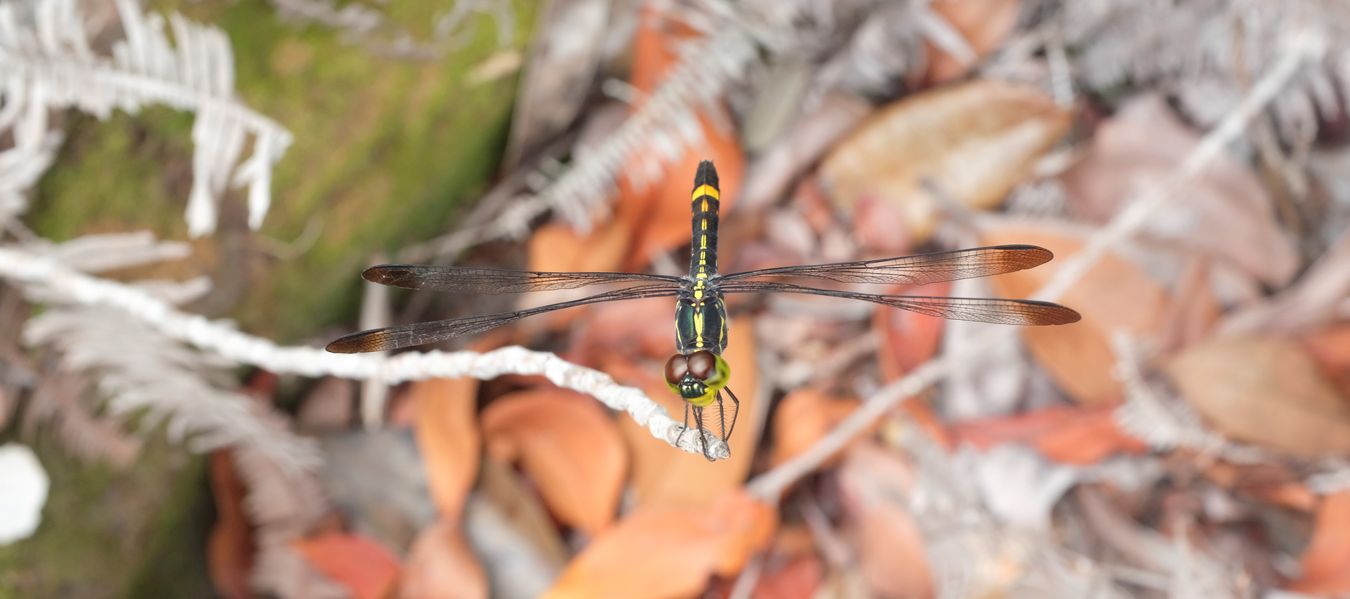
(669, 552)
(907, 339)
(442, 566)
(1267, 483)
(803, 417)
(624, 327)
(1226, 213)
(973, 142)
(1069, 434)
(663, 476)
(555, 247)
(229, 551)
(796, 579)
(873, 483)
(447, 437)
(362, 566)
(1325, 565)
(1264, 390)
(1330, 347)
(567, 445)
(984, 24)
(1114, 295)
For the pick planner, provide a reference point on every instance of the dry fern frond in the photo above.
(145, 374)
(1210, 51)
(46, 55)
(666, 124)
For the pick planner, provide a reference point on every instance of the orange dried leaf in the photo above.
(1330, 347)
(441, 565)
(983, 24)
(802, 418)
(359, 564)
(625, 328)
(567, 445)
(1264, 390)
(798, 579)
(1114, 295)
(556, 247)
(654, 44)
(663, 476)
(447, 437)
(1071, 435)
(1266, 483)
(908, 339)
(1088, 438)
(973, 142)
(229, 552)
(1325, 565)
(873, 483)
(669, 552)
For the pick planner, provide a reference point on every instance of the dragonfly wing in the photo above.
(912, 270)
(497, 280)
(998, 311)
(422, 333)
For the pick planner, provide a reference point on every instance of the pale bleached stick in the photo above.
(1304, 47)
(39, 271)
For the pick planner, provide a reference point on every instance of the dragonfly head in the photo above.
(698, 376)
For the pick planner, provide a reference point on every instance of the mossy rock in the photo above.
(385, 151)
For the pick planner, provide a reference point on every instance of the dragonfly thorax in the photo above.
(700, 324)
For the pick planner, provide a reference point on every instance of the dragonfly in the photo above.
(697, 373)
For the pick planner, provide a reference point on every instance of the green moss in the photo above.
(385, 152)
(101, 527)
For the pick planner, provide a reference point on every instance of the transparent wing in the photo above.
(497, 280)
(998, 311)
(912, 270)
(422, 333)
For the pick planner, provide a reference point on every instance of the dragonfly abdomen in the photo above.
(704, 203)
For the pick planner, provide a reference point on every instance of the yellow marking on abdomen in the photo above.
(705, 190)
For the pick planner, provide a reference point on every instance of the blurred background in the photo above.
(189, 191)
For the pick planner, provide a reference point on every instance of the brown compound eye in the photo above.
(676, 367)
(702, 364)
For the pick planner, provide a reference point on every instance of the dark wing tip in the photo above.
(362, 342)
(706, 175)
(393, 275)
(1024, 255)
(1050, 313)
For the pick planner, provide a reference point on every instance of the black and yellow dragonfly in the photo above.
(697, 372)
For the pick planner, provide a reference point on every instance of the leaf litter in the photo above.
(1045, 465)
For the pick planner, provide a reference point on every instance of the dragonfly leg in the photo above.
(702, 438)
(735, 403)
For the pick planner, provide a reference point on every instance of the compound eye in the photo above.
(702, 364)
(676, 367)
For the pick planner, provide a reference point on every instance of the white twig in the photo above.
(1304, 48)
(220, 338)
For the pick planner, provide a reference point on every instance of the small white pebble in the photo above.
(23, 491)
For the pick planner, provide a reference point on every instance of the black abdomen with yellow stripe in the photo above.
(700, 314)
